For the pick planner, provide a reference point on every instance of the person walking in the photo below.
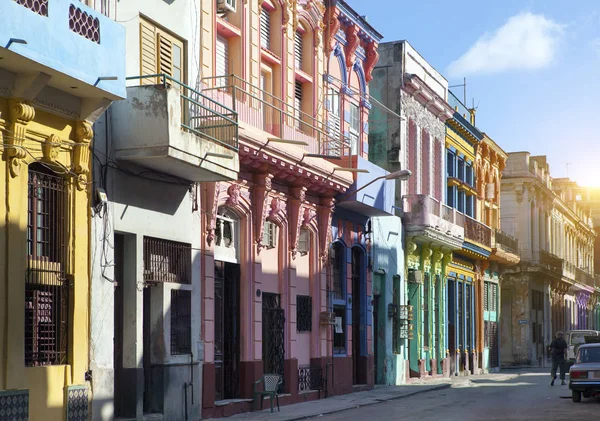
(558, 349)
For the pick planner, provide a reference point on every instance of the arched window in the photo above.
(227, 235)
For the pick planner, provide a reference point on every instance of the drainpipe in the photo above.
(190, 385)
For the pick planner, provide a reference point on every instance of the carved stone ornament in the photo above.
(51, 148)
(213, 191)
(20, 115)
(352, 43)
(260, 199)
(333, 25)
(325, 215)
(416, 111)
(371, 60)
(234, 193)
(296, 216)
(81, 152)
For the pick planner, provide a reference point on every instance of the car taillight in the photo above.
(578, 374)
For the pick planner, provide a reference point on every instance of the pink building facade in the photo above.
(266, 238)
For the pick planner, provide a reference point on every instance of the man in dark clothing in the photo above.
(558, 348)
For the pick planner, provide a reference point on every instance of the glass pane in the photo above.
(176, 56)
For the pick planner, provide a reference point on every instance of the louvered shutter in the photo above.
(265, 29)
(165, 55)
(222, 67)
(486, 295)
(298, 48)
(148, 58)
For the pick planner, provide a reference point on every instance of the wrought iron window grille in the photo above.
(310, 378)
(303, 313)
(167, 261)
(46, 283)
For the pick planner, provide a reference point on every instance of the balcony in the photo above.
(478, 232)
(428, 217)
(506, 242)
(169, 127)
(259, 109)
(583, 277)
(62, 55)
(548, 262)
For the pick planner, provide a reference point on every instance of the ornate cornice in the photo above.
(416, 111)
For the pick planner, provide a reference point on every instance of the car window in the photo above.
(588, 355)
(577, 338)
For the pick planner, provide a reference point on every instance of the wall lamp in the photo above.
(401, 175)
(101, 78)
(15, 41)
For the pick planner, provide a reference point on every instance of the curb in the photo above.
(378, 401)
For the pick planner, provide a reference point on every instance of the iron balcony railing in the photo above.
(583, 277)
(477, 232)
(506, 242)
(545, 259)
(200, 114)
(265, 111)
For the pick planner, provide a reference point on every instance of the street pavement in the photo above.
(526, 396)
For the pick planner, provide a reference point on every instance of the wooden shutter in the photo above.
(265, 29)
(298, 49)
(222, 65)
(148, 57)
(165, 55)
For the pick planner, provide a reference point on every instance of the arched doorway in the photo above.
(227, 305)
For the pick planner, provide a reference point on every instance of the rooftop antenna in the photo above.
(464, 86)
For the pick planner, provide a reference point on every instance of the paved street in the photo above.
(526, 397)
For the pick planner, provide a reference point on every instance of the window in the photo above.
(469, 206)
(46, 286)
(460, 169)
(298, 104)
(339, 336)
(298, 49)
(222, 56)
(469, 175)
(354, 128)
(450, 200)
(303, 313)
(338, 265)
(450, 160)
(181, 322)
(265, 29)
(160, 53)
(167, 261)
(304, 242)
(461, 201)
(270, 235)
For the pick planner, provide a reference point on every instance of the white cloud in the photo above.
(525, 41)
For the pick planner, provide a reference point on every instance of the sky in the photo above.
(532, 69)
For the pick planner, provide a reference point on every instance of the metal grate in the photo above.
(77, 403)
(181, 322)
(38, 6)
(339, 338)
(303, 313)
(310, 378)
(46, 287)
(14, 405)
(273, 330)
(494, 358)
(167, 261)
(84, 24)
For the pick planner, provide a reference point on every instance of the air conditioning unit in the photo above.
(226, 5)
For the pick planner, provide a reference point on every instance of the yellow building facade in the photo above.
(55, 80)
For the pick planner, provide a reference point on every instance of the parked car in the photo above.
(575, 338)
(584, 375)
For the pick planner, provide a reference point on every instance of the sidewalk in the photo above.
(301, 411)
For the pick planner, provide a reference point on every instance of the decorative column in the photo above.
(20, 115)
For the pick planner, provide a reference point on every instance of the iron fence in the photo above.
(478, 232)
(263, 110)
(506, 242)
(310, 378)
(200, 114)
